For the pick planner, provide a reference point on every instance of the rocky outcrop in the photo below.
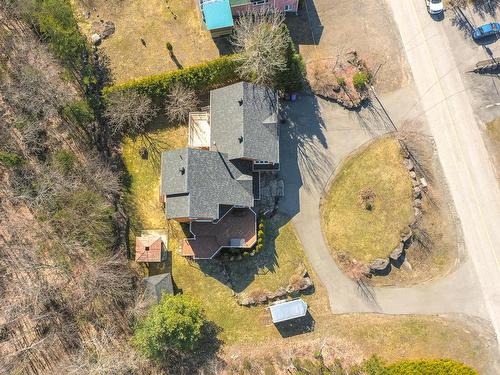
(262, 297)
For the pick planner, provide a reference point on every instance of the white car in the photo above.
(435, 6)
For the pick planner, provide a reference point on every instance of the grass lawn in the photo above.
(349, 227)
(355, 337)
(271, 268)
(243, 328)
(204, 279)
(493, 131)
(158, 22)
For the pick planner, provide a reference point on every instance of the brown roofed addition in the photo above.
(148, 249)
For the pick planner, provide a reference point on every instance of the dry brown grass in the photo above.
(493, 133)
(158, 22)
(353, 338)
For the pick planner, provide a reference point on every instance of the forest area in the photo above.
(69, 298)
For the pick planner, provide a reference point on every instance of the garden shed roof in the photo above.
(283, 311)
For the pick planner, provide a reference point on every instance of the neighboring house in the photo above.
(215, 181)
(158, 285)
(218, 14)
(150, 249)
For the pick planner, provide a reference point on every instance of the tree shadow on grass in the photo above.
(239, 274)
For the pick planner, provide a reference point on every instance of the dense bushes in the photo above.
(291, 79)
(10, 159)
(175, 324)
(430, 367)
(260, 235)
(360, 80)
(375, 366)
(201, 77)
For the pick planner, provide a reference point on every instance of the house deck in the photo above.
(237, 226)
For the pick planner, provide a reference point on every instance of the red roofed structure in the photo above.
(149, 249)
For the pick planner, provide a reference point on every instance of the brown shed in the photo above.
(149, 249)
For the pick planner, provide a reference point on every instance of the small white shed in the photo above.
(283, 311)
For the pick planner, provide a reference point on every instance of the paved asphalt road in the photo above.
(461, 149)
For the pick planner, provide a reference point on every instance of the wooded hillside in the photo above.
(68, 297)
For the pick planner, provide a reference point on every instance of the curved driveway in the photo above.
(319, 135)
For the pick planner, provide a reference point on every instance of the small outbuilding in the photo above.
(150, 249)
(158, 285)
(282, 311)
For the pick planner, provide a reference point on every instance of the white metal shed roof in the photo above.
(281, 312)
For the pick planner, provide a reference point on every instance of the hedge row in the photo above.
(216, 73)
(430, 367)
(201, 77)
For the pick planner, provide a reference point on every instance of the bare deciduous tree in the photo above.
(180, 101)
(261, 42)
(128, 112)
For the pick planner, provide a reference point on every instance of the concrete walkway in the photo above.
(319, 135)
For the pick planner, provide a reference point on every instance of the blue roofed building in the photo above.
(217, 16)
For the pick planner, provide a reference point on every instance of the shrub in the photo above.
(175, 324)
(292, 78)
(259, 247)
(429, 367)
(56, 21)
(260, 233)
(65, 161)
(341, 81)
(201, 77)
(79, 112)
(360, 80)
(261, 226)
(10, 159)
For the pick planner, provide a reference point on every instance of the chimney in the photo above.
(182, 170)
(240, 138)
(240, 102)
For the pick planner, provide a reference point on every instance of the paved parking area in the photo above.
(343, 25)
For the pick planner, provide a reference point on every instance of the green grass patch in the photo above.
(10, 159)
(273, 266)
(369, 203)
(269, 269)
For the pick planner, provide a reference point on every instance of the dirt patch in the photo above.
(339, 79)
(366, 26)
(138, 46)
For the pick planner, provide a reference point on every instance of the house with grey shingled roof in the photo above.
(217, 175)
(219, 169)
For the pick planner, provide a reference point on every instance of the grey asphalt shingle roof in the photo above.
(196, 182)
(244, 122)
(159, 284)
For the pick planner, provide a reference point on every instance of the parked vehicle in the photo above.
(486, 30)
(435, 6)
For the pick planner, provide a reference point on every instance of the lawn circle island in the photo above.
(368, 209)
